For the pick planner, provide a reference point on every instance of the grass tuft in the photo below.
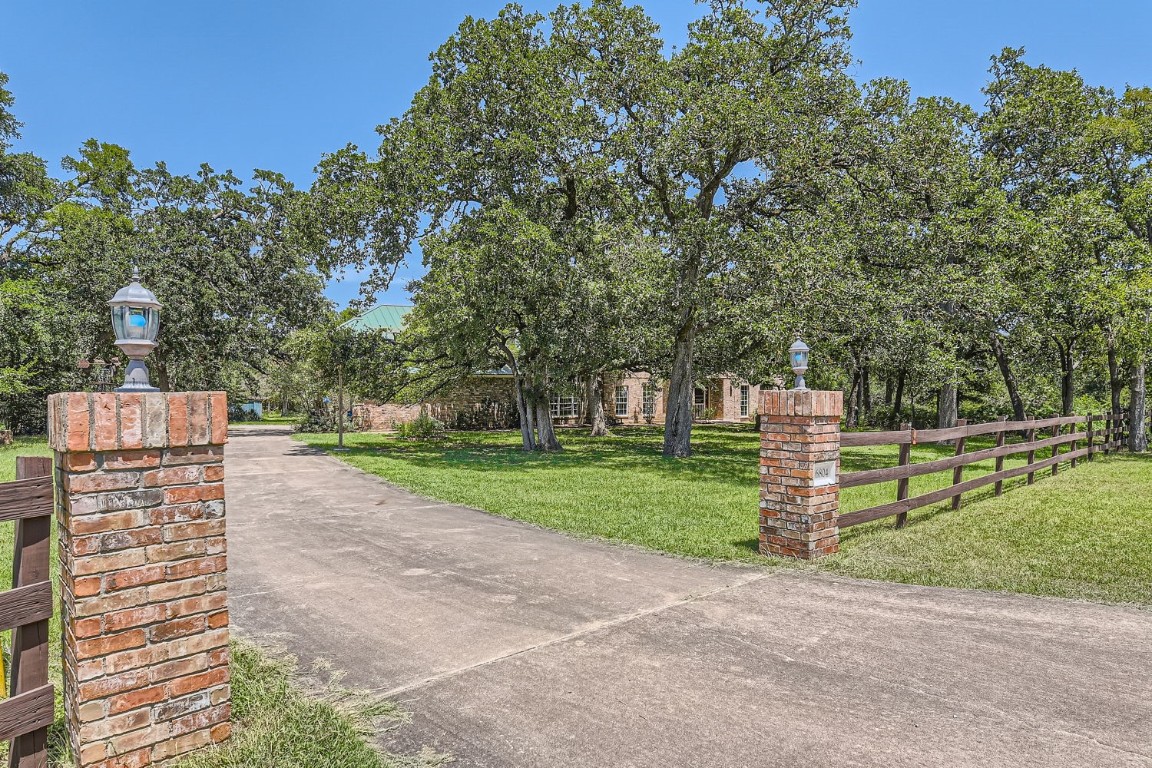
(278, 725)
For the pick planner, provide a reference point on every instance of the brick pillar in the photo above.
(140, 513)
(799, 472)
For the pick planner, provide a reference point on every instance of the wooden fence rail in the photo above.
(27, 607)
(1079, 429)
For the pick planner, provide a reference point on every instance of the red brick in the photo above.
(77, 431)
(102, 646)
(182, 745)
(178, 513)
(198, 567)
(179, 668)
(199, 682)
(220, 733)
(176, 589)
(80, 462)
(177, 420)
(90, 627)
(218, 620)
(109, 686)
(140, 758)
(200, 720)
(172, 476)
(103, 563)
(125, 702)
(198, 530)
(200, 604)
(175, 628)
(134, 617)
(198, 415)
(137, 537)
(98, 482)
(209, 454)
(108, 521)
(131, 418)
(134, 577)
(148, 656)
(219, 413)
(214, 473)
(106, 430)
(188, 493)
(180, 550)
(132, 460)
(219, 656)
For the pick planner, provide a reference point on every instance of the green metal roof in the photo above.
(384, 317)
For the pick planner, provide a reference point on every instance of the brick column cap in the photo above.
(81, 422)
(801, 402)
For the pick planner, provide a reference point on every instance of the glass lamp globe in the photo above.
(798, 355)
(136, 321)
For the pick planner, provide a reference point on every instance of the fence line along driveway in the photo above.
(516, 646)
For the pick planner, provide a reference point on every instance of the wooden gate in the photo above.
(27, 607)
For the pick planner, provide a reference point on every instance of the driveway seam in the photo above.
(616, 621)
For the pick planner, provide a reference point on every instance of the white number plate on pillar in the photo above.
(825, 474)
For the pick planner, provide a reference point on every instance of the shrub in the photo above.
(423, 427)
(323, 421)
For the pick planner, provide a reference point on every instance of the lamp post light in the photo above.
(136, 320)
(798, 354)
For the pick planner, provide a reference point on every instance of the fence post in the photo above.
(1072, 447)
(958, 472)
(1091, 434)
(1031, 454)
(799, 472)
(902, 483)
(1056, 450)
(140, 509)
(30, 565)
(1000, 459)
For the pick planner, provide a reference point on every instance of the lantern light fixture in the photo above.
(798, 355)
(136, 321)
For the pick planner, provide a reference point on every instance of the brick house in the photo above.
(488, 401)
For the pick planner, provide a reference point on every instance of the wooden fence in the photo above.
(27, 607)
(1096, 433)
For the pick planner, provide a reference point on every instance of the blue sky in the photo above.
(245, 84)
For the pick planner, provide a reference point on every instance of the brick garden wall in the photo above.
(478, 402)
(143, 573)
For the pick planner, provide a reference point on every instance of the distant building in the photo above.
(488, 400)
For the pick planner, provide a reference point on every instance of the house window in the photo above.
(621, 401)
(745, 393)
(565, 406)
(649, 400)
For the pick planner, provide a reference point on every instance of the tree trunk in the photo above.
(1067, 391)
(1115, 384)
(865, 393)
(947, 406)
(898, 398)
(527, 436)
(1137, 409)
(678, 414)
(853, 418)
(340, 410)
(595, 410)
(1010, 383)
(546, 434)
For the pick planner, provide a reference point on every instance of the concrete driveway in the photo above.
(516, 646)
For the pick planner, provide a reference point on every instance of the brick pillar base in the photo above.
(142, 554)
(799, 472)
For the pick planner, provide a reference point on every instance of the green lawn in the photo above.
(1081, 534)
(280, 720)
